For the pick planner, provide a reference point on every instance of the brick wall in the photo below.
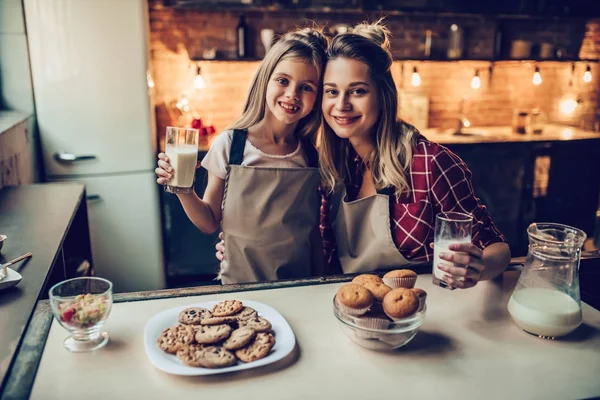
(177, 36)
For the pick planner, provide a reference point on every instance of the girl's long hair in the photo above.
(308, 45)
(393, 139)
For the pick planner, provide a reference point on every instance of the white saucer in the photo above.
(12, 278)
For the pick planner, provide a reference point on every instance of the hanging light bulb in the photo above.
(587, 75)
(416, 78)
(476, 82)
(537, 77)
(198, 79)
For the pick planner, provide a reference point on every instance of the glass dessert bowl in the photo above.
(81, 306)
(379, 332)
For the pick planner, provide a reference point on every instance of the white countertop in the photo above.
(468, 348)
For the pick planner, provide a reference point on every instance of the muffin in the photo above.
(400, 278)
(363, 278)
(377, 289)
(400, 303)
(422, 295)
(372, 320)
(353, 299)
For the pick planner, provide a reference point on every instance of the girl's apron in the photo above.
(270, 219)
(363, 234)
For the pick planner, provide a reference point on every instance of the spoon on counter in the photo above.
(11, 262)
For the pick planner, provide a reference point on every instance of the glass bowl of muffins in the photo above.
(377, 316)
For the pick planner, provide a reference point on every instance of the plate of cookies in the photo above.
(217, 337)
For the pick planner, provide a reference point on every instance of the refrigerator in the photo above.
(89, 60)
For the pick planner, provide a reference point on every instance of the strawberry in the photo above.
(68, 314)
(196, 123)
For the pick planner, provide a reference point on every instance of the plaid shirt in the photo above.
(439, 182)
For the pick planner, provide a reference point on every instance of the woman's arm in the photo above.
(488, 254)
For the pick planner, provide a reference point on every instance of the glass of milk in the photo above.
(450, 228)
(181, 146)
(546, 300)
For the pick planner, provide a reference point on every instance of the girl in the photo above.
(386, 181)
(263, 173)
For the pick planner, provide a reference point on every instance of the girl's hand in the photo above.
(220, 254)
(467, 265)
(164, 169)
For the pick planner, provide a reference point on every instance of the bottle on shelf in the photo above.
(242, 38)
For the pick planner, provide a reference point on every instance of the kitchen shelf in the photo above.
(416, 59)
(251, 8)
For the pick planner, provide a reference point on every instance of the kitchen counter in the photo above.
(505, 134)
(468, 347)
(50, 221)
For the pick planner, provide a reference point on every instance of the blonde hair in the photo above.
(308, 45)
(393, 139)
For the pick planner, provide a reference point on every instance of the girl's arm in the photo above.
(488, 254)
(205, 213)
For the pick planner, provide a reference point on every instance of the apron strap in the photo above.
(388, 191)
(238, 142)
(310, 153)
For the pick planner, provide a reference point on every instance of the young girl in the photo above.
(263, 173)
(386, 181)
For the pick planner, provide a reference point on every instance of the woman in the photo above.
(383, 182)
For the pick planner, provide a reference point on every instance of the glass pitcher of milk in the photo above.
(546, 300)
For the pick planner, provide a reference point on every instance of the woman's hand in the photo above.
(467, 265)
(164, 169)
(220, 254)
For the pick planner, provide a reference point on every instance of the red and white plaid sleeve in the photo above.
(452, 190)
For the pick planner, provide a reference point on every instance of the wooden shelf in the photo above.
(416, 59)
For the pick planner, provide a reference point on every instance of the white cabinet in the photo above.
(125, 231)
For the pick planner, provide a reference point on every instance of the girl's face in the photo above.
(350, 101)
(292, 90)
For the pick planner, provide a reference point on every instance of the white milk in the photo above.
(442, 247)
(183, 159)
(544, 312)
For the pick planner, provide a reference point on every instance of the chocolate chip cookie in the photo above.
(257, 349)
(209, 334)
(193, 315)
(257, 323)
(175, 337)
(239, 338)
(246, 313)
(227, 307)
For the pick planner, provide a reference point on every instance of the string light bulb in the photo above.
(537, 77)
(476, 82)
(416, 78)
(587, 75)
(198, 80)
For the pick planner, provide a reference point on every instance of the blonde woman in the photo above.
(263, 173)
(383, 182)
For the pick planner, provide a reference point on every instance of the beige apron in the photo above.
(363, 234)
(270, 222)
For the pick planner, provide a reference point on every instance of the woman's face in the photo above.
(350, 99)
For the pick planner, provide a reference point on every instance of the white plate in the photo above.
(284, 340)
(12, 278)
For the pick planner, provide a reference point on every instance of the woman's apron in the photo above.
(270, 219)
(363, 234)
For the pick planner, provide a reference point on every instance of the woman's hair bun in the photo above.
(375, 31)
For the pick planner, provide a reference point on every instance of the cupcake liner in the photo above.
(353, 312)
(404, 282)
(372, 322)
(422, 300)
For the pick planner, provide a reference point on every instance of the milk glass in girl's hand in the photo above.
(182, 150)
(450, 228)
